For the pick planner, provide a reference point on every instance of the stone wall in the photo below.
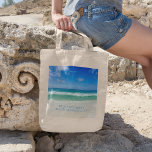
(20, 47)
(140, 10)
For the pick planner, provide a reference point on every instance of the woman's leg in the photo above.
(137, 45)
(148, 73)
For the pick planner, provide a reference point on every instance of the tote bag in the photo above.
(73, 85)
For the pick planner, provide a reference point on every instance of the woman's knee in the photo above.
(143, 60)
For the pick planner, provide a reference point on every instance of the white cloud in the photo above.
(93, 71)
(60, 81)
(57, 73)
(80, 79)
(64, 68)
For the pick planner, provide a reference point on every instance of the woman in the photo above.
(109, 29)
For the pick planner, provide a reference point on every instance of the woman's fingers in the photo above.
(57, 23)
(70, 25)
(63, 22)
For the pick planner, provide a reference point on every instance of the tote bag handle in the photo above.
(59, 34)
(87, 42)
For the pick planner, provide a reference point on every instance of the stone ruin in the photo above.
(20, 47)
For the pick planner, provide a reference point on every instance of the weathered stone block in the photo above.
(20, 47)
(121, 68)
(90, 142)
(16, 141)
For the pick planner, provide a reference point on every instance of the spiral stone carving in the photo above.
(5, 104)
(23, 76)
(18, 111)
(3, 75)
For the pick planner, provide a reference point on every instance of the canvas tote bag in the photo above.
(73, 86)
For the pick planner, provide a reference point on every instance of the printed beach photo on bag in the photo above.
(72, 89)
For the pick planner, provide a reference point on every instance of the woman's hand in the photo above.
(62, 22)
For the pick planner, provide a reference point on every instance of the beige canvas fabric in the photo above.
(73, 86)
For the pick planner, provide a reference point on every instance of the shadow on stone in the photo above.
(115, 136)
(16, 141)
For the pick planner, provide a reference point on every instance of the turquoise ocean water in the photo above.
(71, 94)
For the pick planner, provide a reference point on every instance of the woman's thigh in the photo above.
(116, 33)
(137, 41)
(105, 25)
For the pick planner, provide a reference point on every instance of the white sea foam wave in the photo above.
(71, 93)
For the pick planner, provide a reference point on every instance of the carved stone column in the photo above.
(20, 47)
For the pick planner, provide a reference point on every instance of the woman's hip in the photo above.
(104, 24)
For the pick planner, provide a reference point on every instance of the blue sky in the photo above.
(2, 1)
(72, 77)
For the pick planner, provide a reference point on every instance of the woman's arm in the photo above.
(61, 21)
